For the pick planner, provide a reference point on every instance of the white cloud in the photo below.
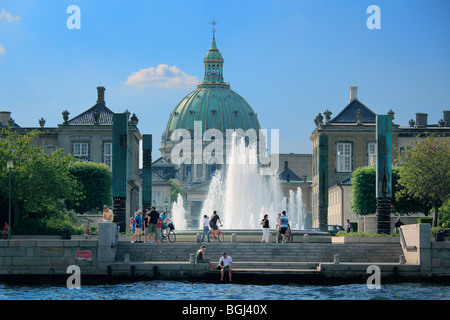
(8, 17)
(2, 49)
(162, 76)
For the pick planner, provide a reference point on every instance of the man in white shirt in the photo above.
(225, 263)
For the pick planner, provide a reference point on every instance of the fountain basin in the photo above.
(254, 235)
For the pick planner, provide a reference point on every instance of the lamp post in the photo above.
(166, 202)
(9, 165)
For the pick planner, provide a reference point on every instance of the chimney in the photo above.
(101, 95)
(447, 118)
(421, 119)
(353, 93)
(4, 117)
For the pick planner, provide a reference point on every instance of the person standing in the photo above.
(146, 221)
(137, 227)
(283, 225)
(266, 229)
(225, 263)
(205, 228)
(398, 224)
(278, 226)
(348, 226)
(153, 223)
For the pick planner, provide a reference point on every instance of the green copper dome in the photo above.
(213, 102)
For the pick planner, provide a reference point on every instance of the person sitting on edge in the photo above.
(225, 264)
(108, 215)
(200, 257)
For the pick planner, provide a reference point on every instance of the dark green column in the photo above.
(146, 172)
(119, 168)
(384, 173)
(323, 182)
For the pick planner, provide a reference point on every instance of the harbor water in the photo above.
(185, 290)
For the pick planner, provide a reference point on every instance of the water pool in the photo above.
(184, 290)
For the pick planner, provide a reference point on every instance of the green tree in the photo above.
(175, 190)
(444, 214)
(363, 197)
(39, 181)
(95, 182)
(425, 170)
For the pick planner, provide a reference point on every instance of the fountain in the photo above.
(241, 195)
(178, 214)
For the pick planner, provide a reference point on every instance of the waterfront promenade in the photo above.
(414, 256)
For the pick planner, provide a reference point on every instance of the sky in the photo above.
(288, 59)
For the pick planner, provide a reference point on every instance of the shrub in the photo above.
(425, 220)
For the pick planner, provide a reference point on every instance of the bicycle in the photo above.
(87, 232)
(217, 236)
(171, 236)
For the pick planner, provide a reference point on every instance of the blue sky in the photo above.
(289, 59)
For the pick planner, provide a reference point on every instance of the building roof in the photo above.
(289, 175)
(105, 116)
(98, 114)
(348, 114)
(161, 162)
(213, 103)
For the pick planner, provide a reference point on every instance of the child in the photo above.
(158, 230)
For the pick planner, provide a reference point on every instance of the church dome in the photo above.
(213, 102)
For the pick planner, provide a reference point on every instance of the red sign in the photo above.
(84, 255)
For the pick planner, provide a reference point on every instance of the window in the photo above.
(157, 198)
(187, 172)
(80, 149)
(107, 154)
(344, 157)
(371, 153)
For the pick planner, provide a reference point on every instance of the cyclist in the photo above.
(213, 223)
(164, 224)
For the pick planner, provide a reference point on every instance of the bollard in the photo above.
(198, 237)
(233, 238)
(336, 259)
(126, 257)
(402, 259)
(305, 238)
(192, 258)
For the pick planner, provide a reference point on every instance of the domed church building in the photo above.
(200, 117)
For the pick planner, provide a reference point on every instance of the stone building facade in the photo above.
(347, 142)
(88, 136)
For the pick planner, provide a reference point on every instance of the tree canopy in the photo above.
(425, 170)
(38, 180)
(95, 182)
(363, 199)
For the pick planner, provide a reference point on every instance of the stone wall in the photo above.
(369, 223)
(418, 248)
(44, 256)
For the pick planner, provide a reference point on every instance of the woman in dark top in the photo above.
(266, 229)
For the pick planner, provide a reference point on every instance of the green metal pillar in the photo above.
(119, 168)
(146, 172)
(384, 173)
(323, 182)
